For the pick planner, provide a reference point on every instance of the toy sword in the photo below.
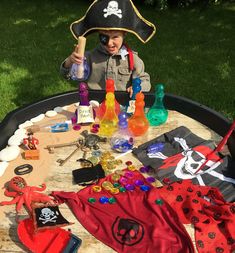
(219, 147)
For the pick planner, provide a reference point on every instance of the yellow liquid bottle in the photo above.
(109, 122)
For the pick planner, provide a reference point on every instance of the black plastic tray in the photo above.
(210, 118)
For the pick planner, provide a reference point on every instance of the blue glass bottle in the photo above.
(136, 87)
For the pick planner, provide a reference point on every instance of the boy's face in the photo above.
(112, 40)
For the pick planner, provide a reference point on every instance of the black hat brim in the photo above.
(130, 21)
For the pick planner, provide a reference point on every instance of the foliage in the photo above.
(165, 4)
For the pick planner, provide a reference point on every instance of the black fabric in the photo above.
(84, 176)
(99, 17)
(174, 160)
(48, 216)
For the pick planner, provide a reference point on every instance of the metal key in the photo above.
(63, 161)
(52, 147)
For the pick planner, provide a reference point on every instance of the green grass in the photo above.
(192, 52)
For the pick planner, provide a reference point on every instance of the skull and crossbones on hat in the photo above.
(112, 9)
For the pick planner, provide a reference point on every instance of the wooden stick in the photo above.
(81, 50)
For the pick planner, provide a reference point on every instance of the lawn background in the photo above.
(192, 53)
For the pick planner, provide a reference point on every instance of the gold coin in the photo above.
(115, 177)
(114, 190)
(96, 188)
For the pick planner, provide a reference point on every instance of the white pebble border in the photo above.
(3, 166)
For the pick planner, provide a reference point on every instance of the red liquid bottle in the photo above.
(138, 123)
(102, 108)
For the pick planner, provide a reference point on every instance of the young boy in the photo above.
(112, 59)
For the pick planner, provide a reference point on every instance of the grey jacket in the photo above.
(104, 66)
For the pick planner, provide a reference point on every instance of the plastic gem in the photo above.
(159, 202)
(128, 163)
(145, 188)
(128, 174)
(96, 188)
(122, 189)
(94, 130)
(139, 182)
(150, 179)
(76, 127)
(104, 200)
(123, 180)
(114, 190)
(130, 187)
(166, 180)
(144, 169)
(92, 200)
(131, 167)
(112, 200)
(116, 185)
(96, 126)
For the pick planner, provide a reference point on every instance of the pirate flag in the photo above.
(180, 154)
(113, 15)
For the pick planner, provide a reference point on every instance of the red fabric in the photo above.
(46, 241)
(156, 225)
(205, 208)
(131, 58)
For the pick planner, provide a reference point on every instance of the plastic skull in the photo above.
(46, 213)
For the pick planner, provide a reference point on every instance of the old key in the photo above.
(63, 161)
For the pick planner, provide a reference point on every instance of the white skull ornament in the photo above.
(112, 9)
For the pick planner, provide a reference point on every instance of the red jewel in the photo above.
(128, 163)
(76, 127)
(166, 180)
(94, 130)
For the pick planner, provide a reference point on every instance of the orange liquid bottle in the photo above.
(138, 123)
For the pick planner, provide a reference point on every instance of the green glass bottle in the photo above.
(158, 114)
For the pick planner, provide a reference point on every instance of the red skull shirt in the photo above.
(134, 220)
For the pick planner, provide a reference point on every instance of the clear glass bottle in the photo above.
(122, 140)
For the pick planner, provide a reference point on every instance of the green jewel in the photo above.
(159, 202)
(116, 185)
(92, 200)
(112, 200)
(122, 189)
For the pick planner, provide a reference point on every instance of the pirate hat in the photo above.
(113, 15)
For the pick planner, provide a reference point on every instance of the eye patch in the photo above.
(104, 39)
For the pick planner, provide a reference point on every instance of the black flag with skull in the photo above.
(181, 155)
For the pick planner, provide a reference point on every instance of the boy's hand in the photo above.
(73, 58)
(130, 91)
